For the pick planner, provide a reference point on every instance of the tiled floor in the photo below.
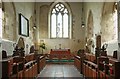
(60, 71)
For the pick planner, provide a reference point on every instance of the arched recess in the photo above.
(21, 43)
(90, 25)
(90, 42)
(109, 26)
(9, 21)
(19, 49)
(43, 31)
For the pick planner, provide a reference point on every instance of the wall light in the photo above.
(82, 25)
(35, 27)
(82, 18)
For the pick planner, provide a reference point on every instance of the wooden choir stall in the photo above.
(21, 65)
(105, 68)
(25, 67)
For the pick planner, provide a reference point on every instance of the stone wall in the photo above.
(103, 24)
(95, 8)
(78, 33)
(96, 21)
(11, 22)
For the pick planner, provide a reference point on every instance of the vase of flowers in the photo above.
(43, 47)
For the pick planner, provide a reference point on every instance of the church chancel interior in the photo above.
(59, 39)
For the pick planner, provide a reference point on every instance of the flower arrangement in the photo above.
(43, 46)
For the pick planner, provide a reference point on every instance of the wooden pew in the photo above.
(25, 67)
(90, 57)
(30, 66)
(77, 63)
(105, 68)
(20, 66)
(7, 66)
(110, 69)
(13, 67)
(41, 62)
(90, 67)
(114, 66)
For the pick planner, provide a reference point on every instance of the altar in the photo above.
(60, 54)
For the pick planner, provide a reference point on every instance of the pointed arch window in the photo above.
(60, 21)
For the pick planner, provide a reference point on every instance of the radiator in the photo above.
(8, 46)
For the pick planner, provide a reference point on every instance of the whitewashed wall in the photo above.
(78, 33)
(8, 46)
(96, 8)
(11, 27)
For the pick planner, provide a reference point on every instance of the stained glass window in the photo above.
(60, 21)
